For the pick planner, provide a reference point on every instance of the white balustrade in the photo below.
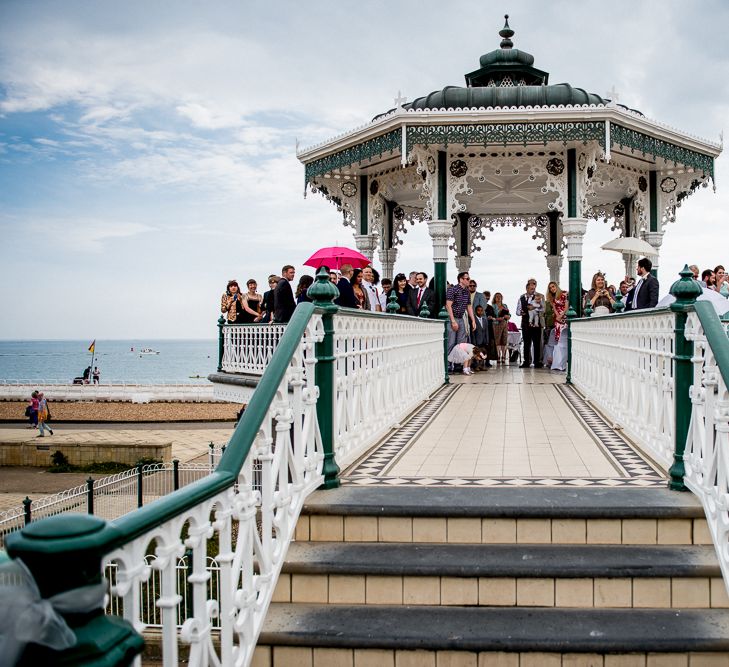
(623, 364)
(248, 530)
(248, 348)
(706, 457)
(385, 366)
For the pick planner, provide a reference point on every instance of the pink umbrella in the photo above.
(335, 257)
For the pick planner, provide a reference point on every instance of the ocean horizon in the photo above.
(119, 360)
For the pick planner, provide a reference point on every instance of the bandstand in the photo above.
(508, 150)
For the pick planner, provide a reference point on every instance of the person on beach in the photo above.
(44, 415)
(96, 375)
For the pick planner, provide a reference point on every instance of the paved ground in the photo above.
(188, 444)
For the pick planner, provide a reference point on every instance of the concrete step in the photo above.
(504, 575)
(306, 635)
(503, 516)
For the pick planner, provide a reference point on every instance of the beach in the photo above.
(118, 411)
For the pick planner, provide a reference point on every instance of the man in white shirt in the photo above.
(368, 284)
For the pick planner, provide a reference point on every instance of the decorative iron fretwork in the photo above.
(642, 183)
(647, 145)
(374, 188)
(398, 213)
(590, 172)
(668, 184)
(581, 161)
(431, 165)
(505, 133)
(475, 222)
(349, 189)
(555, 166)
(458, 168)
(353, 155)
(619, 211)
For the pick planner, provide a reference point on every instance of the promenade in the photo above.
(190, 442)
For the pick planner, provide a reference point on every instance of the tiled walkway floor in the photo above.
(504, 430)
(506, 426)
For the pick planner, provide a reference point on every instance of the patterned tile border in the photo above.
(373, 463)
(372, 469)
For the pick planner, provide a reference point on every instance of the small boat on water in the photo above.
(147, 350)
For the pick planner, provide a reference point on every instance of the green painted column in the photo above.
(440, 233)
(686, 290)
(573, 230)
(574, 234)
(323, 293)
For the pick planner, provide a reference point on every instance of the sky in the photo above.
(148, 149)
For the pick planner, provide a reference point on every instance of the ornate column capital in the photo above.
(440, 232)
(655, 239)
(366, 244)
(463, 263)
(554, 265)
(388, 257)
(573, 229)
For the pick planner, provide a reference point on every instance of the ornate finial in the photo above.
(323, 292)
(506, 33)
(686, 290)
(618, 306)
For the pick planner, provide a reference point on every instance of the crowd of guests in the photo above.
(479, 324)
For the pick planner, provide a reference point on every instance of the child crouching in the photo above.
(467, 354)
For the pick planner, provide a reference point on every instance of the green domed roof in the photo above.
(510, 96)
(507, 78)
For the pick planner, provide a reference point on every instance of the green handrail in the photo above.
(106, 536)
(715, 335)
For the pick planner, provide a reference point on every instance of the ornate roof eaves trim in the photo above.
(399, 118)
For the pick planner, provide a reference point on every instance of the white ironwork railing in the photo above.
(248, 530)
(623, 364)
(248, 348)
(706, 457)
(385, 366)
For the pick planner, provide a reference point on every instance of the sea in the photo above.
(178, 361)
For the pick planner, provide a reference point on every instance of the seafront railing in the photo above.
(663, 375)
(242, 515)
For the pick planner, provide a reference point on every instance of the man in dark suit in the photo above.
(645, 292)
(346, 297)
(420, 296)
(284, 303)
(267, 305)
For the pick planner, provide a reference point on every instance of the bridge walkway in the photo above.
(505, 427)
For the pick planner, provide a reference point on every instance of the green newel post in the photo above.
(392, 306)
(618, 306)
(221, 343)
(323, 293)
(686, 290)
(64, 553)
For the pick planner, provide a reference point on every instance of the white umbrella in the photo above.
(720, 303)
(630, 245)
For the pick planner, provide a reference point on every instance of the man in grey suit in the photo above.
(421, 295)
(477, 299)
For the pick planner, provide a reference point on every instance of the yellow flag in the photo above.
(92, 347)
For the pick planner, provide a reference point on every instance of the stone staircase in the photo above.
(444, 577)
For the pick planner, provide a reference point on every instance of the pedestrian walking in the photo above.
(44, 415)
